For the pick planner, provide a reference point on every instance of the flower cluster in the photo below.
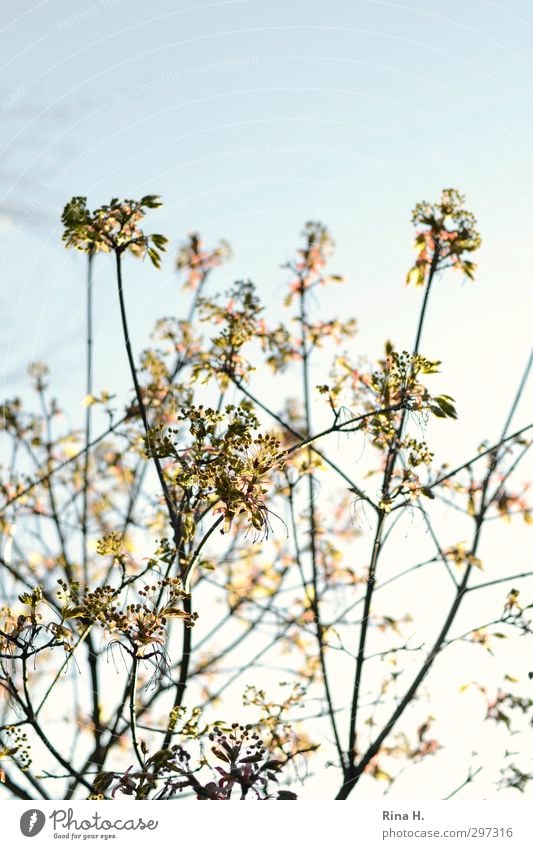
(248, 769)
(15, 748)
(196, 261)
(141, 624)
(396, 386)
(113, 227)
(449, 234)
(311, 260)
(239, 322)
(227, 462)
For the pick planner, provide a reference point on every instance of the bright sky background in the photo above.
(250, 118)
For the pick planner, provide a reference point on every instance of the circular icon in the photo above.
(32, 822)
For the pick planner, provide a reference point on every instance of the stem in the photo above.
(187, 630)
(88, 412)
(395, 447)
(53, 503)
(432, 270)
(184, 668)
(517, 397)
(481, 454)
(468, 780)
(376, 549)
(341, 428)
(377, 546)
(315, 605)
(174, 519)
(194, 559)
(355, 772)
(93, 657)
(97, 758)
(515, 577)
(15, 788)
(133, 715)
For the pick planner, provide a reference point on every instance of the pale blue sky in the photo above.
(250, 118)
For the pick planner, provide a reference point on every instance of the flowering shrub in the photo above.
(203, 541)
